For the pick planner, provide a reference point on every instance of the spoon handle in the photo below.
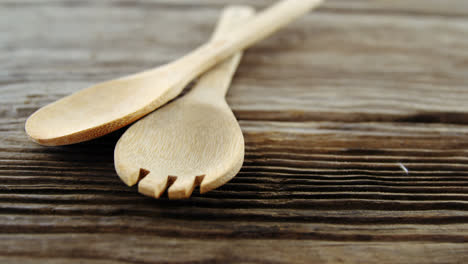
(254, 30)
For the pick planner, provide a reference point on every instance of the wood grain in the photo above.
(354, 120)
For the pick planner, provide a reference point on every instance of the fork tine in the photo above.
(153, 184)
(183, 187)
(215, 179)
(130, 175)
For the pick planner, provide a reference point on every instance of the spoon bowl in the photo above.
(102, 108)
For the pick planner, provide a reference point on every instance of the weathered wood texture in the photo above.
(355, 121)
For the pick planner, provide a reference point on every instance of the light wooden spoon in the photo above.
(194, 140)
(106, 107)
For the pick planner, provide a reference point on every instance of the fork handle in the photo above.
(254, 30)
(213, 85)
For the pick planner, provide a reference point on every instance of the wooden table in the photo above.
(355, 120)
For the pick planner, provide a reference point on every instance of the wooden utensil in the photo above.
(105, 107)
(194, 140)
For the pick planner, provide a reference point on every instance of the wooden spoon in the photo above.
(105, 107)
(194, 140)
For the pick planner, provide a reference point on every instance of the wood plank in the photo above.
(449, 8)
(295, 168)
(150, 249)
(351, 67)
(321, 227)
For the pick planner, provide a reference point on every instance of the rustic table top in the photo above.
(355, 119)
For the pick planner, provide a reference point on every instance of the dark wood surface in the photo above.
(355, 120)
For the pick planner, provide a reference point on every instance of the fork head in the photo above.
(183, 145)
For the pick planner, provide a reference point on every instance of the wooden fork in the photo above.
(195, 140)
